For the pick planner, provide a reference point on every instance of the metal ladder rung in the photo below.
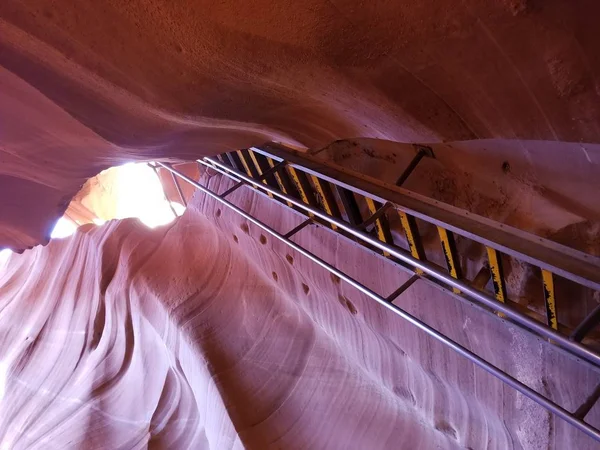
(260, 169)
(282, 180)
(234, 161)
(350, 205)
(450, 254)
(549, 299)
(381, 224)
(586, 325)
(585, 408)
(411, 232)
(325, 198)
(453, 279)
(300, 181)
(313, 187)
(246, 164)
(497, 273)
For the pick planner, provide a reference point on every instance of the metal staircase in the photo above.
(359, 208)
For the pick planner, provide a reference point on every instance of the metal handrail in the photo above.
(576, 335)
(582, 268)
(425, 267)
(430, 269)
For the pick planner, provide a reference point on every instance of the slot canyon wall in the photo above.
(239, 341)
(184, 337)
(88, 85)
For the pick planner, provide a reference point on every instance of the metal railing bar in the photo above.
(408, 269)
(270, 171)
(512, 241)
(179, 191)
(585, 408)
(390, 298)
(262, 177)
(490, 368)
(234, 188)
(586, 325)
(155, 169)
(300, 227)
(222, 172)
(376, 215)
(421, 153)
(434, 272)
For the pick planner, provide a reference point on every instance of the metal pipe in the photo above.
(435, 283)
(561, 260)
(587, 325)
(490, 368)
(300, 227)
(179, 191)
(376, 215)
(412, 166)
(216, 169)
(272, 170)
(585, 408)
(155, 169)
(390, 298)
(239, 184)
(232, 189)
(434, 272)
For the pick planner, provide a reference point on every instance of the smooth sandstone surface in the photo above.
(239, 341)
(189, 337)
(85, 86)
